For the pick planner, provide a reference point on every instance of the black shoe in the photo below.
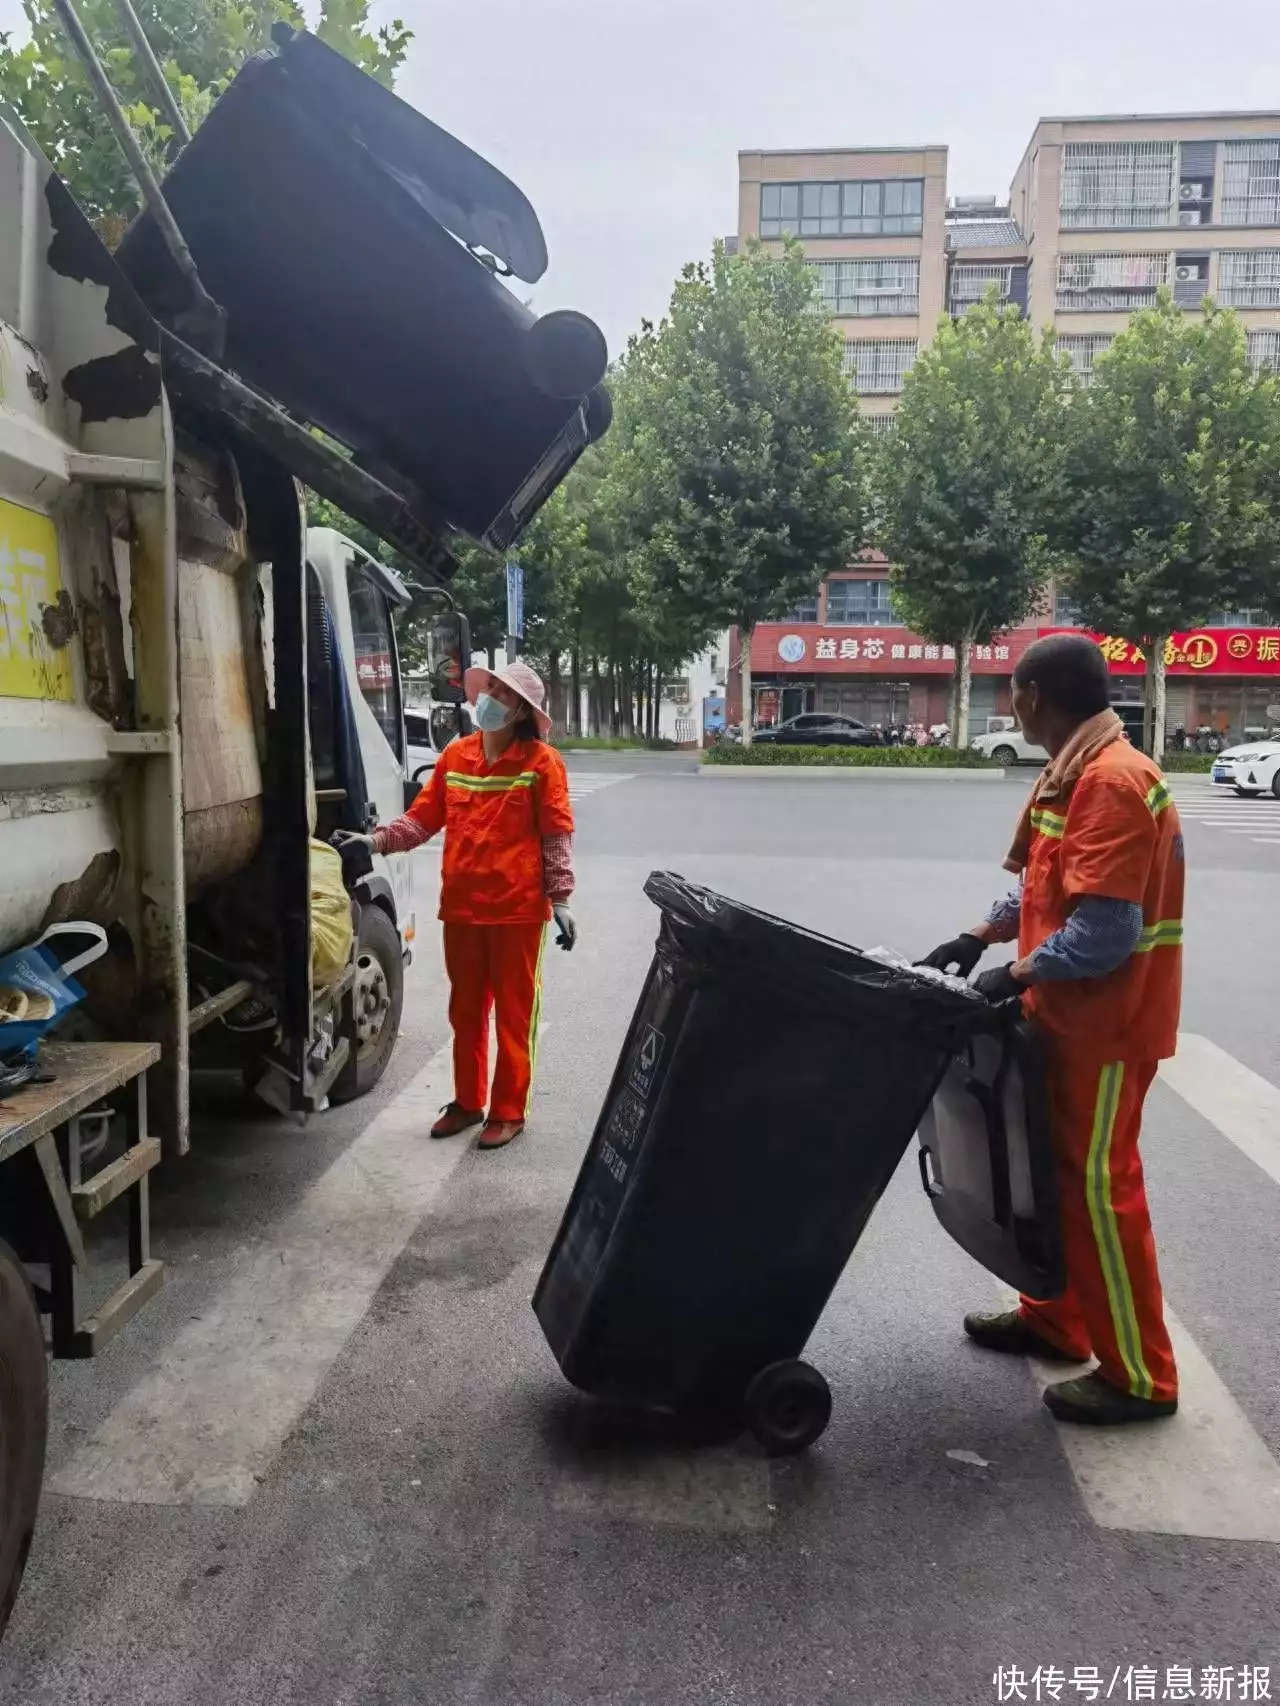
(1005, 1330)
(1097, 1403)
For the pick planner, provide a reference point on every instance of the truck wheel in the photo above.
(787, 1406)
(24, 1421)
(378, 997)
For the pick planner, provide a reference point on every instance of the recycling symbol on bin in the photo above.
(646, 1062)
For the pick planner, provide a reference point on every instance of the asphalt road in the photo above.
(335, 1464)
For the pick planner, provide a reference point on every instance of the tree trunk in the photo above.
(744, 640)
(593, 698)
(575, 690)
(1154, 699)
(492, 653)
(962, 684)
(655, 700)
(555, 699)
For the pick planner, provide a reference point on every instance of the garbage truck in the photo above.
(196, 689)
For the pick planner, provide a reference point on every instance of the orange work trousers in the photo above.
(1113, 1307)
(494, 967)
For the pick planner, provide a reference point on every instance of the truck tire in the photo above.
(24, 1423)
(378, 996)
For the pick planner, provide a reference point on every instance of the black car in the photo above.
(815, 728)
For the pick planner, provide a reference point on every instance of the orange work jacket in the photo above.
(1118, 836)
(494, 817)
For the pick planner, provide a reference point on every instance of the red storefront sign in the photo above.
(1203, 651)
(806, 648)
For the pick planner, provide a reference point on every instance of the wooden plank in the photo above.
(120, 1308)
(105, 1186)
(83, 1073)
(56, 1184)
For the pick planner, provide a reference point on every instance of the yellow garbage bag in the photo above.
(331, 930)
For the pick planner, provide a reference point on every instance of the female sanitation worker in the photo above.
(502, 798)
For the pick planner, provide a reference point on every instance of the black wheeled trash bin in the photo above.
(769, 1085)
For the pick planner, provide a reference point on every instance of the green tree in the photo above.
(200, 45)
(745, 472)
(970, 483)
(1173, 471)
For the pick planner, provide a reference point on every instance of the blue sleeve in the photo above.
(1004, 914)
(1099, 936)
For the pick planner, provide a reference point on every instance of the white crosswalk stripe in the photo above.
(1199, 802)
(1206, 1472)
(584, 782)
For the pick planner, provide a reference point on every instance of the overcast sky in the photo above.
(622, 120)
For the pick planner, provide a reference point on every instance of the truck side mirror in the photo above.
(449, 657)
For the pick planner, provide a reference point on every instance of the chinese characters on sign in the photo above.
(830, 648)
(30, 668)
(1247, 1683)
(1226, 651)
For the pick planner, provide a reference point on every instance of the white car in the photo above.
(1250, 769)
(1005, 742)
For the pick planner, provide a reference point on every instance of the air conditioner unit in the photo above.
(1190, 192)
(1185, 274)
(1189, 216)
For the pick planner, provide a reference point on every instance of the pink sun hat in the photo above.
(526, 683)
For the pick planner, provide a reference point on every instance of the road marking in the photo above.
(1204, 1472)
(203, 1426)
(583, 782)
(1243, 1106)
(721, 1490)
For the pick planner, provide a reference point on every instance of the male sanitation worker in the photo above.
(1097, 917)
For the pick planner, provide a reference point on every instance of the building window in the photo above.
(1110, 283)
(877, 366)
(857, 208)
(970, 283)
(1249, 278)
(859, 604)
(1237, 619)
(1081, 349)
(1065, 613)
(1251, 183)
(805, 611)
(879, 426)
(1119, 186)
(869, 287)
(1264, 350)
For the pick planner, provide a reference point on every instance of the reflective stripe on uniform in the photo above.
(535, 1019)
(1106, 1232)
(1165, 934)
(1158, 797)
(490, 784)
(1048, 823)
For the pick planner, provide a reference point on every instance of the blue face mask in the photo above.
(490, 713)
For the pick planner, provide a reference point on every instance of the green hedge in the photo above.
(857, 757)
(1187, 763)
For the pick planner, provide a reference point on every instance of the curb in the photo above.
(851, 772)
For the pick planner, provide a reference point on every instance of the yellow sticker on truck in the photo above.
(30, 584)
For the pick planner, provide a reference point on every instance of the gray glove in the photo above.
(346, 840)
(567, 925)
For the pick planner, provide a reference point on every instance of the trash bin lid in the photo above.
(332, 221)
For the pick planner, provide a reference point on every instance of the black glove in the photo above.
(961, 955)
(998, 985)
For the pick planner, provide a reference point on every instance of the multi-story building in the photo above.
(1113, 208)
(1101, 213)
(873, 222)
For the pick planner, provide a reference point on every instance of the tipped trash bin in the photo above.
(769, 1085)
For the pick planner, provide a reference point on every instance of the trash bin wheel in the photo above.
(787, 1407)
